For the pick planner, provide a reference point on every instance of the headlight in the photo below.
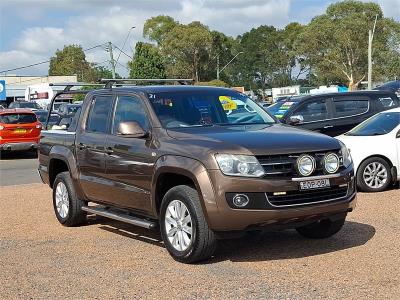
(305, 164)
(347, 160)
(331, 163)
(239, 165)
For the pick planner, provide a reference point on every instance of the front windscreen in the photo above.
(379, 124)
(18, 118)
(279, 109)
(206, 108)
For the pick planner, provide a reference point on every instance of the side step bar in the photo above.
(101, 211)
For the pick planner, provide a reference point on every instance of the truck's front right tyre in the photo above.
(184, 229)
(67, 206)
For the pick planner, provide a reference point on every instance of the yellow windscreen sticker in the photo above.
(227, 103)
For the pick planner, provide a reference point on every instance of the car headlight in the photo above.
(331, 163)
(347, 160)
(305, 164)
(239, 165)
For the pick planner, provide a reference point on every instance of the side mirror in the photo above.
(131, 129)
(294, 120)
(398, 135)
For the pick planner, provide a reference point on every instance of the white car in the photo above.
(375, 148)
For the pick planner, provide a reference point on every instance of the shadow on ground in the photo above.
(15, 155)
(266, 246)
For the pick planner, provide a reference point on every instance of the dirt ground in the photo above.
(40, 259)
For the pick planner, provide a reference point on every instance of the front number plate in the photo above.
(314, 184)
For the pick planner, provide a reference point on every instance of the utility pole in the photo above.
(370, 39)
(112, 61)
(218, 66)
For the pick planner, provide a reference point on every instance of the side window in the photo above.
(99, 114)
(350, 107)
(316, 110)
(387, 101)
(128, 109)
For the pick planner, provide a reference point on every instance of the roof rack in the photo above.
(69, 85)
(110, 82)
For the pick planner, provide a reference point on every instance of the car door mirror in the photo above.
(398, 135)
(297, 119)
(131, 129)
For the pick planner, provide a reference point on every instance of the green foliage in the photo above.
(186, 48)
(147, 62)
(215, 82)
(335, 44)
(71, 61)
(157, 28)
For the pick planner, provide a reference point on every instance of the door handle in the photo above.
(82, 146)
(109, 150)
(328, 126)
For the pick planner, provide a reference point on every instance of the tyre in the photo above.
(321, 229)
(67, 206)
(184, 229)
(374, 175)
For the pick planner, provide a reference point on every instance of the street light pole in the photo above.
(370, 39)
(218, 70)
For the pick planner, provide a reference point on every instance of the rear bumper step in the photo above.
(119, 216)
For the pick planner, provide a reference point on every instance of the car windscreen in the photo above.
(206, 108)
(379, 124)
(28, 105)
(18, 118)
(72, 108)
(279, 109)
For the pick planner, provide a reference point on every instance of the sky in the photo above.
(32, 30)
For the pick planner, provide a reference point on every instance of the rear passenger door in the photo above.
(349, 111)
(316, 114)
(90, 147)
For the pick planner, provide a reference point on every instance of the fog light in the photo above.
(240, 200)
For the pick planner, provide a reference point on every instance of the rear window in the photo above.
(18, 118)
(387, 102)
(279, 109)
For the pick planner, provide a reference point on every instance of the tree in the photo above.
(71, 61)
(157, 28)
(186, 50)
(147, 62)
(335, 44)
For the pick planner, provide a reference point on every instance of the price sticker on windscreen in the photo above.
(227, 103)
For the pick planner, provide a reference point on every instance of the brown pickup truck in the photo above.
(199, 163)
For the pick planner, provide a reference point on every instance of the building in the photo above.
(17, 86)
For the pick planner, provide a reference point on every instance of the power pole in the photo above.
(218, 67)
(112, 61)
(370, 39)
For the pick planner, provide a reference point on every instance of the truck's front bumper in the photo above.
(228, 218)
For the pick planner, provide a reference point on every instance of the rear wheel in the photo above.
(67, 206)
(374, 175)
(321, 229)
(184, 229)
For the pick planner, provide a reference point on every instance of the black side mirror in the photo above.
(131, 129)
(398, 134)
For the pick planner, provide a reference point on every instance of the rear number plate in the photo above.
(19, 131)
(314, 184)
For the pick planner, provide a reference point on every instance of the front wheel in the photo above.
(184, 229)
(374, 175)
(321, 229)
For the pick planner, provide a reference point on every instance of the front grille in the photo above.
(293, 198)
(283, 166)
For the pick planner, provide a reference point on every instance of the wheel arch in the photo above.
(182, 170)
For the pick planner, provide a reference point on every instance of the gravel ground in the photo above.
(108, 260)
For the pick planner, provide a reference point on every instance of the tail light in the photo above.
(1, 127)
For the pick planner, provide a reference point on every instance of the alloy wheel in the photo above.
(62, 200)
(375, 175)
(178, 225)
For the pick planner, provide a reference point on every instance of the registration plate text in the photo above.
(314, 184)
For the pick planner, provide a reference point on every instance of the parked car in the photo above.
(25, 104)
(393, 86)
(19, 130)
(68, 109)
(375, 149)
(334, 113)
(42, 117)
(169, 156)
